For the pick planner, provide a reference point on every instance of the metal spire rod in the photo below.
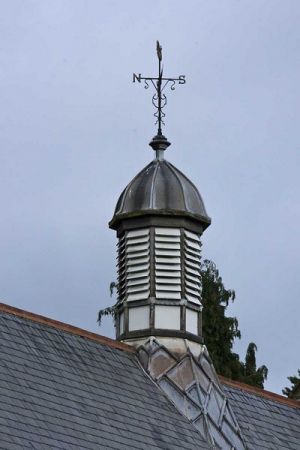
(159, 99)
(160, 73)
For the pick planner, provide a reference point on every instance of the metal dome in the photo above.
(160, 189)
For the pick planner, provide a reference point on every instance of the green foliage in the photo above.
(294, 390)
(220, 331)
(250, 374)
(250, 360)
(109, 311)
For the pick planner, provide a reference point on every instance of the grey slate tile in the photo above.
(61, 391)
(266, 424)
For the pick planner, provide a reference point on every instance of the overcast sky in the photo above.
(74, 130)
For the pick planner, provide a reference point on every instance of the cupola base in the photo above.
(175, 345)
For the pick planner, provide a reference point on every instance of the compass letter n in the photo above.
(137, 77)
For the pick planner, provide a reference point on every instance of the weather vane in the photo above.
(159, 99)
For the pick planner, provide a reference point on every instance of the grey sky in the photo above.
(74, 130)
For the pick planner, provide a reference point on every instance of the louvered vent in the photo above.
(121, 269)
(167, 263)
(192, 279)
(134, 265)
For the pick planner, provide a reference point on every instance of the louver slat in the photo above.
(121, 268)
(192, 252)
(169, 295)
(192, 280)
(193, 299)
(137, 233)
(137, 248)
(134, 265)
(138, 296)
(137, 261)
(193, 265)
(193, 291)
(168, 246)
(166, 280)
(189, 270)
(168, 267)
(167, 232)
(167, 263)
(137, 275)
(166, 252)
(136, 289)
(164, 273)
(137, 281)
(192, 259)
(167, 260)
(194, 286)
(167, 239)
(169, 287)
(193, 245)
(139, 240)
(140, 268)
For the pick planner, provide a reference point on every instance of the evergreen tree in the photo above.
(294, 390)
(250, 374)
(220, 331)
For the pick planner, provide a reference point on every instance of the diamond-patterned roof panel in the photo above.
(193, 385)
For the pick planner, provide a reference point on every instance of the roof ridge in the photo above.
(65, 327)
(260, 392)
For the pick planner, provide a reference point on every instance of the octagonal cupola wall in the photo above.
(159, 219)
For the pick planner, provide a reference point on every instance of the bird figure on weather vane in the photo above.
(159, 99)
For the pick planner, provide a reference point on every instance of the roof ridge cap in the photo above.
(4, 308)
(259, 392)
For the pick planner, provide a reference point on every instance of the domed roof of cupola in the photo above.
(160, 189)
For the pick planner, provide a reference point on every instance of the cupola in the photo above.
(159, 219)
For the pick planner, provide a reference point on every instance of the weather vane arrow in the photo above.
(159, 99)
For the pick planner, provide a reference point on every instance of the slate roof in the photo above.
(64, 388)
(60, 390)
(268, 421)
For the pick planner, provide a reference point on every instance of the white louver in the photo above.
(134, 265)
(121, 268)
(175, 263)
(192, 278)
(167, 263)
